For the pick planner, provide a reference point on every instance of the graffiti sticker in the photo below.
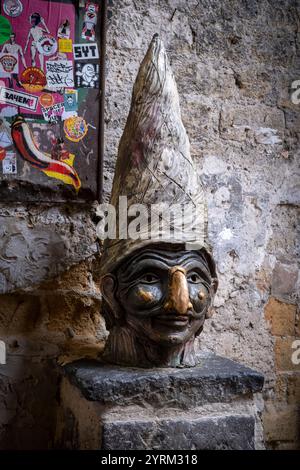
(53, 113)
(60, 74)
(87, 75)
(85, 51)
(17, 98)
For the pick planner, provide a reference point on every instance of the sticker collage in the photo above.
(49, 60)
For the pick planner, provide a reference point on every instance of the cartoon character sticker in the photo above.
(71, 100)
(75, 128)
(87, 75)
(47, 45)
(89, 21)
(12, 8)
(12, 49)
(36, 34)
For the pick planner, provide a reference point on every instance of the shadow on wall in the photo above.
(28, 380)
(28, 394)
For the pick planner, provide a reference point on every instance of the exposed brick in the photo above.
(281, 422)
(283, 354)
(281, 316)
(287, 388)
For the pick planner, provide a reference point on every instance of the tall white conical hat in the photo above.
(154, 165)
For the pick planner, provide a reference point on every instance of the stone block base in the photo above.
(211, 406)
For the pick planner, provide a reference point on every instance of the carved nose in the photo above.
(178, 296)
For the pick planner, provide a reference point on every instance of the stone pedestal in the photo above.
(211, 406)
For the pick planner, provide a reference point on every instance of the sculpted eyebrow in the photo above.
(143, 266)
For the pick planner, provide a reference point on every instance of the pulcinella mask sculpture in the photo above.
(157, 291)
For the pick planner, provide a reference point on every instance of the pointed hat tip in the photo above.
(156, 44)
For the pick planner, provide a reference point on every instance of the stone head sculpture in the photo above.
(157, 287)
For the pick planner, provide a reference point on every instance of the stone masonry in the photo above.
(234, 63)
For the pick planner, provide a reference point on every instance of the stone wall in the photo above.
(234, 62)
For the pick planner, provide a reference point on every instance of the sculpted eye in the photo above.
(149, 278)
(194, 278)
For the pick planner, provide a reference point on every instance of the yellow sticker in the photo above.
(65, 45)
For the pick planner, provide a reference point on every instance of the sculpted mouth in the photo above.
(176, 320)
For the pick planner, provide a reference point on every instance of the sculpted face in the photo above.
(164, 295)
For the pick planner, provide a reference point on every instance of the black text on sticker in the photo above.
(85, 51)
(23, 100)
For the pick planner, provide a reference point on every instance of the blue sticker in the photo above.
(71, 100)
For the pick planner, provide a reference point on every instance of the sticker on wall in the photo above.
(75, 128)
(8, 111)
(9, 164)
(12, 8)
(65, 45)
(33, 79)
(2, 154)
(18, 98)
(5, 137)
(71, 100)
(8, 64)
(35, 39)
(47, 45)
(60, 74)
(53, 113)
(89, 21)
(15, 49)
(46, 100)
(24, 142)
(87, 75)
(5, 29)
(85, 51)
(64, 30)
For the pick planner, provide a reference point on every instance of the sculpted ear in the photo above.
(108, 287)
(213, 290)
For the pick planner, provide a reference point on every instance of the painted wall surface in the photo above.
(234, 63)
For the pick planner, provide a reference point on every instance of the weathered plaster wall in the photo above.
(234, 62)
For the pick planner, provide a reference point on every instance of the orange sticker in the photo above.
(46, 100)
(2, 154)
(33, 79)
